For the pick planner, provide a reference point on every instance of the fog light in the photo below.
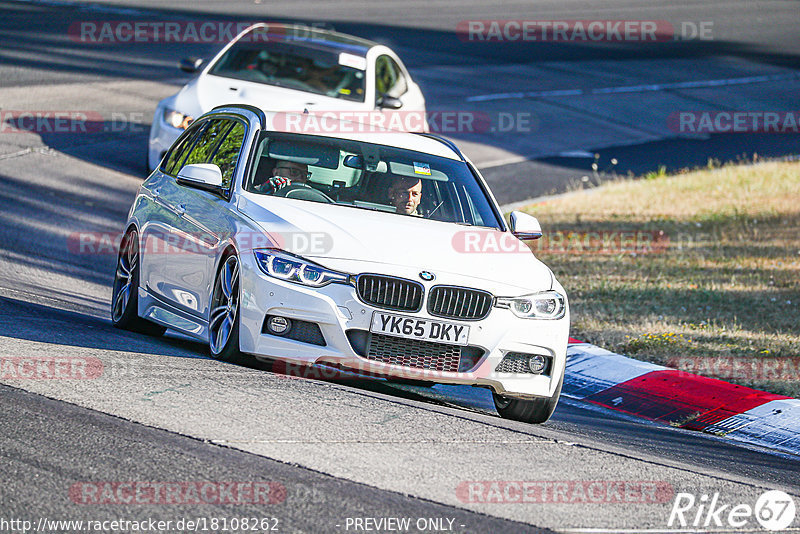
(537, 363)
(279, 325)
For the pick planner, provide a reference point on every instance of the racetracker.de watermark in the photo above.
(334, 372)
(583, 31)
(779, 369)
(183, 31)
(563, 242)
(386, 121)
(50, 368)
(702, 122)
(107, 243)
(177, 493)
(71, 122)
(565, 492)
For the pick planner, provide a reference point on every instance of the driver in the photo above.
(284, 174)
(405, 195)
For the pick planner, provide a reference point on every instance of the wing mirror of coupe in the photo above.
(389, 102)
(203, 176)
(190, 64)
(525, 226)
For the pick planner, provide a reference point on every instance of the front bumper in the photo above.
(336, 309)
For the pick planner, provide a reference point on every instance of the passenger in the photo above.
(405, 195)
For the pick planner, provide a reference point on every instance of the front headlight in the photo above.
(285, 266)
(176, 119)
(545, 305)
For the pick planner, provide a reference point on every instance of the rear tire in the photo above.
(125, 291)
(534, 411)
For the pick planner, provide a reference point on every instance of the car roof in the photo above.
(323, 125)
(326, 126)
(318, 38)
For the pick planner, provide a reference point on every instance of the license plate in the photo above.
(422, 329)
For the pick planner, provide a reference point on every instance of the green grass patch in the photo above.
(700, 270)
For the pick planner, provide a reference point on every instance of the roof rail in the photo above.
(262, 117)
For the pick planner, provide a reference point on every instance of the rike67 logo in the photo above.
(773, 510)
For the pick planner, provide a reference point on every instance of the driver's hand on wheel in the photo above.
(273, 184)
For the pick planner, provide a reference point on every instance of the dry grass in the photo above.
(721, 297)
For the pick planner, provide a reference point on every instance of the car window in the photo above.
(227, 154)
(355, 174)
(207, 143)
(302, 66)
(173, 162)
(389, 79)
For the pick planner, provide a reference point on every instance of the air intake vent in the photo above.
(414, 353)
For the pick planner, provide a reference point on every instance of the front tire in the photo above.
(125, 291)
(534, 411)
(223, 321)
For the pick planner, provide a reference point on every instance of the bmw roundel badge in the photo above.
(427, 276)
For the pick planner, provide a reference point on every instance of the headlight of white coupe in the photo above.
(285, 266)
(176, 119)
(545, 305)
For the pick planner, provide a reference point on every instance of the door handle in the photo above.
(180, 209)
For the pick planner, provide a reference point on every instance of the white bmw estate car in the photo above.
(291, 68)
(374, 251)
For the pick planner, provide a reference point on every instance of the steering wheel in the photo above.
(303, 192)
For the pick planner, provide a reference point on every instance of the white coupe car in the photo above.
(361, 251)
(290, 68)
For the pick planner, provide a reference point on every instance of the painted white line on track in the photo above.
(695, 84)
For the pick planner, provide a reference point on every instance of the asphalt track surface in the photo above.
(162, 411)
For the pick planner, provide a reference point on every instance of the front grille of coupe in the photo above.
(413, 353)
(459, 303)
(389, 292)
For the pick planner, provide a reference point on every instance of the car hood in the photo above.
(356, 240)
(206, 92)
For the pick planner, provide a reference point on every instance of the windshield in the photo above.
(295, 65)
(369, 176)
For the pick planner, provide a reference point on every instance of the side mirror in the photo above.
(525, 226)
(203, 176)
(190, 64)
(389, 102)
